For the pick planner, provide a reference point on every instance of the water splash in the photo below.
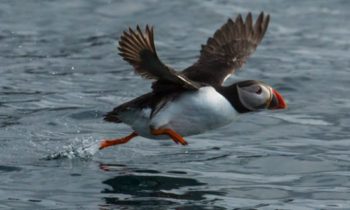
(82, 149)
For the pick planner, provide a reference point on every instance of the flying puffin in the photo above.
(194, 100)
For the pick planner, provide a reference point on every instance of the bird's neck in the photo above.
(231, 94)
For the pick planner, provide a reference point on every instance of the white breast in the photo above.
(195, 112)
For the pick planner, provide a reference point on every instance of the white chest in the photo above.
(195, 112)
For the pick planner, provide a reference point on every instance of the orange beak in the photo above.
(277, 101)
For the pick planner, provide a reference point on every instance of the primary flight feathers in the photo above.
(138, 49)
(223, 53)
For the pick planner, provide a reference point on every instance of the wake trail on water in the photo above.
(79, 148)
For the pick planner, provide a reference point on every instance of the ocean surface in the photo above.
(60, 73)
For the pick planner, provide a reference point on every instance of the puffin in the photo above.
(194, 100)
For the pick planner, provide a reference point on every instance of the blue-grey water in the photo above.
(60, 72)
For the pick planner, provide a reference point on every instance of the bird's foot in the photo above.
(177, 138)
(110, 142)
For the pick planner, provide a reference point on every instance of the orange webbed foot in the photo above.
(177, 138)
(110, 142)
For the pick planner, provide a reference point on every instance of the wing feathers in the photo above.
(228, 49)
(133, 44)
(137, 47)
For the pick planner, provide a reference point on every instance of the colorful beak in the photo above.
(277, 101)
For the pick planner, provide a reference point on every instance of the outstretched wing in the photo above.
(228, 49)
(137, 48)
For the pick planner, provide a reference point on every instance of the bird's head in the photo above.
(253, 95)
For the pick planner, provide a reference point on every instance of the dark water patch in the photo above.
(19, 101)
(34, 200)
(199, 207)
(9, 168)
(139, 203)
(134, 184)
(121, 167)
(156, 186)
(256, 207)
(148, 171)
(21, 92)
(91, 57)
(251, 156)
(52, 124)
(288, 200)
(7, 121)
(31, 56)
(218, 157)
(99, 40)
(91, 114)
(176, 172)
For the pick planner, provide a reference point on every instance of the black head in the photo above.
(253, 95)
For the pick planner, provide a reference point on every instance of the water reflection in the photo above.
(147, 188)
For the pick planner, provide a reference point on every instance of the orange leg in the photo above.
(123, 140)
(177, 138)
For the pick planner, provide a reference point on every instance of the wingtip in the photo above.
(239, 18)
(138, 29)
(268, 18)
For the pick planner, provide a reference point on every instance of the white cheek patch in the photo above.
(269, 96)
(265, 94)
(252, 100)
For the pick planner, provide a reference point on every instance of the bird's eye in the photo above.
(259, 91)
